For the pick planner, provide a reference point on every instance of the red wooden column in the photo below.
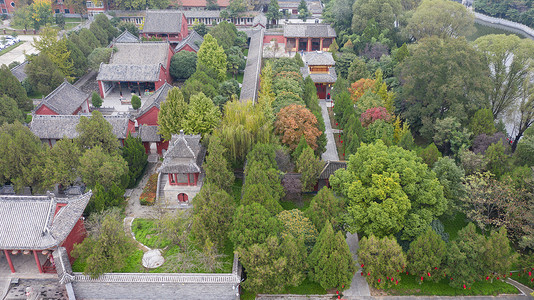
(321, 44)
(37, 261)
(309, 45)
(297, 41)
(9, 261)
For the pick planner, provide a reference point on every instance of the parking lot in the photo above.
(18, 54)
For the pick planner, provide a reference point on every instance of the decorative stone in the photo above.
(153, 259)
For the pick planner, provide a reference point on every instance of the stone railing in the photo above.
(504, 24)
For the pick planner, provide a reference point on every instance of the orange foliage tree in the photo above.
(358, 88)
(294, 121)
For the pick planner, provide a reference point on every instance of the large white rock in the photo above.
(153, 259)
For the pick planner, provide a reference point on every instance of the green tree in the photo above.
(229, 88)
(252, 224)
(482, 122)
(99, 56)
(104, 23)
(273, 12)
(454, 85)
(88, 37)
(236, 60)
(465, 257)
(300, 227)
(445, 19)
(23, 17)
(496, 159)
(129, 26)
(100, 34)
(106, 249)
(61, 164)
(326, 207)
(20, 156)
(212, 214)
(60, 21)
(381, 258)
(97, 166)
(450, 137)
(200, 28)
(384, 12)
(498, 255)
(43, 74)
(427, 255)
(79, 60)
(96, 131)
(508, 56)
(451, 178)
(136, 102)
(212, 56)
(225, 33)
(96, 101)
(135, 155)
(216, 166)
(524, 154)
(389, 189)
(41, 14)
(11, 88)
(172, 113)
(9, 111)
(357, 70)
(56, 49)
(235, 7)
(331, 263)
(202, 115)
(79, 6)
(183, 65)
(304, 12)
(309, 166)
(430, 155)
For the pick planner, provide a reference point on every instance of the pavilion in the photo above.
(39, 225)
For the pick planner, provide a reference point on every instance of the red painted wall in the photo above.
(149, 118)
(76, 236)
(279, 38)
(44, 110)
(184, 31)
(131, 126)
(161, 146)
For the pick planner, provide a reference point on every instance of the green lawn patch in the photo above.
(133, 264)
(302, 204)
(6, 50)
(35, 95)
(146, 233)
(236, 190)
(524, 278)
(409, 285)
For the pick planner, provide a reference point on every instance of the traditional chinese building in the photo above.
(51, 128)
(169, 25)
(124, 37)
(66, 99)
(19, 72)
(191, 43)
(308, 36)
(136, 67)
(320, 67)
(200, 4)
(181, 174)
(329, 169)
(38, 225)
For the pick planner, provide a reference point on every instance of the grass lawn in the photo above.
(303, 204)
(524, 279)
(133, 264)
(409, 285)
(307, 287)
(6, 50)
(147, 234)
(35, 95)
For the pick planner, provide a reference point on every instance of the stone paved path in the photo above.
(134, 207)
(359, 286)
(331, 151)
(523, 288)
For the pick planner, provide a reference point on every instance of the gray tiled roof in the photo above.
(126, 37)
(148, 53)
(318, 58)
(63, 126)
(213, 14)
(311, 30)
(330, 167)
(260, 19)
(249, 89)
(114, 72)
(185, 155)
(149, 133)
(155, 99)
(28, 222)
(64, 100)
(63, 267)
(19, 72)
(193, 39)
(163, 21)
(330, 77)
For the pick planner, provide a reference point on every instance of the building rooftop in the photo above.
(163, 21)
(193, 39)
(185, 155)
(329, 77)
(330, 167)
(64, 100)
(29, 222)
(318, 58)
(149, 133)
(126, 37)
(201, 3)
(155, 99)
(148, 53)
(19, 72)
(64, 126)
(309, 30)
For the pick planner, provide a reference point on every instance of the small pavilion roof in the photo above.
(64, 100)
(185, 155)
(318, 58)
(330, 167)
(126, 37)
(155, 99)
(329, 77)
(64, 126)
(28, 222)
(193, 39)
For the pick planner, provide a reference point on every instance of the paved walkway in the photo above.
(331, 151)
(134, 208)
(359, 286)
(19, 53)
